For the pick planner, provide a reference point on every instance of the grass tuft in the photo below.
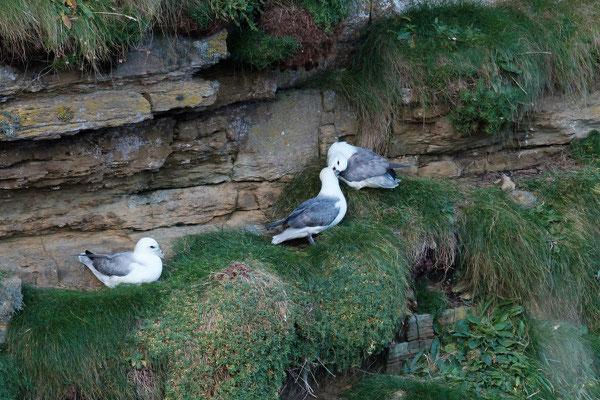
(503, 252)
(10, 380)
(65, 338)
(587, 150)
(259, 50)
(231, 341)
(384, 387)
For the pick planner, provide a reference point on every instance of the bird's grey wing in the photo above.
(320, 211)
(285, 221)
(119, 264)
(364, 164)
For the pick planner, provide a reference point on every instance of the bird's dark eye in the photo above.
(152, 247)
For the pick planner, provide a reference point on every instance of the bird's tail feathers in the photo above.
(84, 259)
(276, 224)
(277, 239)
(283, 236)
(394, 165)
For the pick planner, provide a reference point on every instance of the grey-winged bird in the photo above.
(361, 168)
(316, 214)
(141, 265)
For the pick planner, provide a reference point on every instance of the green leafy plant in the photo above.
(488, 352)
(484, 110)
(327, 13)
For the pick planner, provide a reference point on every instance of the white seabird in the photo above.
(142, 265)
(316, 214)
(361, 168)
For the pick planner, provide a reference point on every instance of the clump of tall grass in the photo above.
(502, 249)
(520, 51)
(72, 33)
(587, 150)
(71, 340)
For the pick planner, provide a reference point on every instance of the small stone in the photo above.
(506, 183)
(524, 198)
(400, 394)
(246, 200)
(450, 316)
(398, 352)
(420, 327)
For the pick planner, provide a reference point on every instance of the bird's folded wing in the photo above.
(365, 164)
(319, 211)
(119, 264)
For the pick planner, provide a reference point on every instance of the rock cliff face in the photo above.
(161, 148)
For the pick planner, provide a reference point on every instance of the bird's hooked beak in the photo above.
(335, 171)
(160, 253)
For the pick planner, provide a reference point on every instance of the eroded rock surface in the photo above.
(11, 300)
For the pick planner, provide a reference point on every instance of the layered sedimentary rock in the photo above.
(163, 147)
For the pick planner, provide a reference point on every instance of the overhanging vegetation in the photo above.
(490, 63)
(87, 34)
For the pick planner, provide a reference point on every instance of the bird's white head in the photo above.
(338, 155)
(148, 245)
(327, 176)
(337, 162)
(330, 185)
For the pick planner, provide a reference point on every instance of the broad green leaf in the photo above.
(473, 343)
(435, 348)
(487, 359)
(415, 360)
(403, 35)
(521, 328)
(473, 319)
